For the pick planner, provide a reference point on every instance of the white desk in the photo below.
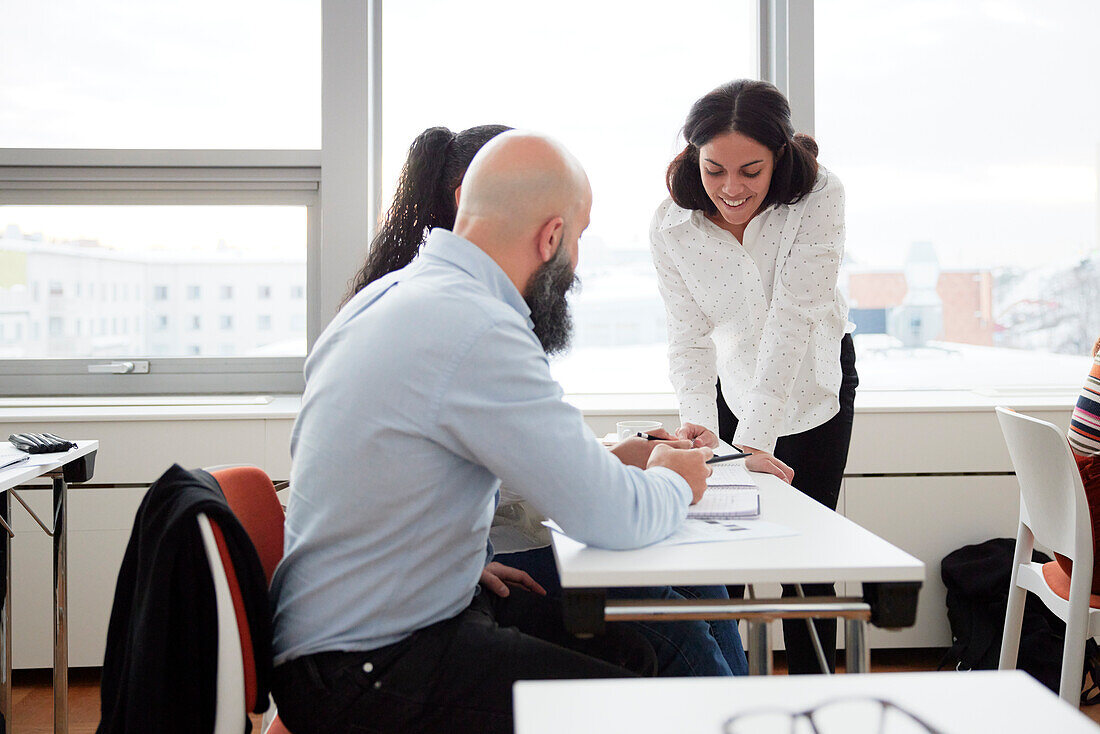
(75, 465)
(828, 548)
(955, 703)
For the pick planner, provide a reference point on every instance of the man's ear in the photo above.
(549, 239)
(458, 195)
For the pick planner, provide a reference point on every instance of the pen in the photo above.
(647, 437)
(727, 457)
(4, 463)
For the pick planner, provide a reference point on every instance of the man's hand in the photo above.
(698, 435)
(635, 451)
(496, 577)
(691, 464)
(762, 461)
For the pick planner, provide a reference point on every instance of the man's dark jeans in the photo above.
(453, 676)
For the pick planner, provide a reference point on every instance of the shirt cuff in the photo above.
(678, 482)
(700, 409)
(761, 424)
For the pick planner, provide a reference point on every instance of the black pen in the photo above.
(647, 437)
(727, 457)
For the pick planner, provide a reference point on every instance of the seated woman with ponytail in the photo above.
(425, 198)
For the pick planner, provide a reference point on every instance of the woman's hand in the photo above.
(762, 461)
(635, 451)
(698, 435)
(1096, 346)
(496, 577)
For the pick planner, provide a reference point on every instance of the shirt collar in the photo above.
(460, 252)
(677, 217)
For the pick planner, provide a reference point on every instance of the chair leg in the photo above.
(1073, 654)
(1014, 615)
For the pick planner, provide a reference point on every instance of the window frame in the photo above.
(333, 183)
(56, 176)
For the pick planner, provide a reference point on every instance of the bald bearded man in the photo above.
(428, 388)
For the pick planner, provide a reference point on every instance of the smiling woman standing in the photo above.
(748, 250)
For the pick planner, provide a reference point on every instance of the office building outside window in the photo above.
(621, 99)
(972, 255)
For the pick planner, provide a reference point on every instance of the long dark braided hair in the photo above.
(424, 198)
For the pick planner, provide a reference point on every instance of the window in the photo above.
(263, 292)
(226, 293)
(162, 75)
(297, 292)
(173, 247)
(263, 322)
(226, 323)
(971, 220)
(179, 122)
(606, 84)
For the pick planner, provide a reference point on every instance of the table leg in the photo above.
(814, 637)
(760, 647)
(856, 653)
(61, 606)
(5, 616)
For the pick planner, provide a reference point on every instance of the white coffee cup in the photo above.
(626, 429)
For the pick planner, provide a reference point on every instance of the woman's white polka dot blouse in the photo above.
(764, 316)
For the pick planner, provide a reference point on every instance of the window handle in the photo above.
(121, 368)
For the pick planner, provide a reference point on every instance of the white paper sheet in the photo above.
(714, 531)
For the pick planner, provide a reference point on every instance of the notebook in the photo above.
(731, 494)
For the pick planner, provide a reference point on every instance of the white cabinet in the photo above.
(968, 499)
(134, 453)
(929, 517)
(99, 528)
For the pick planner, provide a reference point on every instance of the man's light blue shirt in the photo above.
(426, 390)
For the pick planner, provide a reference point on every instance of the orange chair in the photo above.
(251, 495)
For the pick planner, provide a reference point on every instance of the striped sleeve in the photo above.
(1084, 426)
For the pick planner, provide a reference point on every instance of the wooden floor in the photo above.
(32, 692)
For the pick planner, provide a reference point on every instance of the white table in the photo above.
(75, 465)
(828, 548)
(954, 703)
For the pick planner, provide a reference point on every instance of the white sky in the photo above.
(973, 125)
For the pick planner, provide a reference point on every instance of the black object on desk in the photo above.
(40, 443)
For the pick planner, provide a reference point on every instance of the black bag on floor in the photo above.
(977, 578)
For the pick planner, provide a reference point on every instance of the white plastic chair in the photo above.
(1054, 511)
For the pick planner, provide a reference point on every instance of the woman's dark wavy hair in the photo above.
(424, 198)
(755, 109)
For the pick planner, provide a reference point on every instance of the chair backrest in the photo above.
(251, 495)
(1052, 498)
(236, 673)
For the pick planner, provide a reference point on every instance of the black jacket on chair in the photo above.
(160, 666)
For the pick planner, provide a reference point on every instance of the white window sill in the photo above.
(265, 407)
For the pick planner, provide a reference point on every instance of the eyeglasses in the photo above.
(855, 715)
